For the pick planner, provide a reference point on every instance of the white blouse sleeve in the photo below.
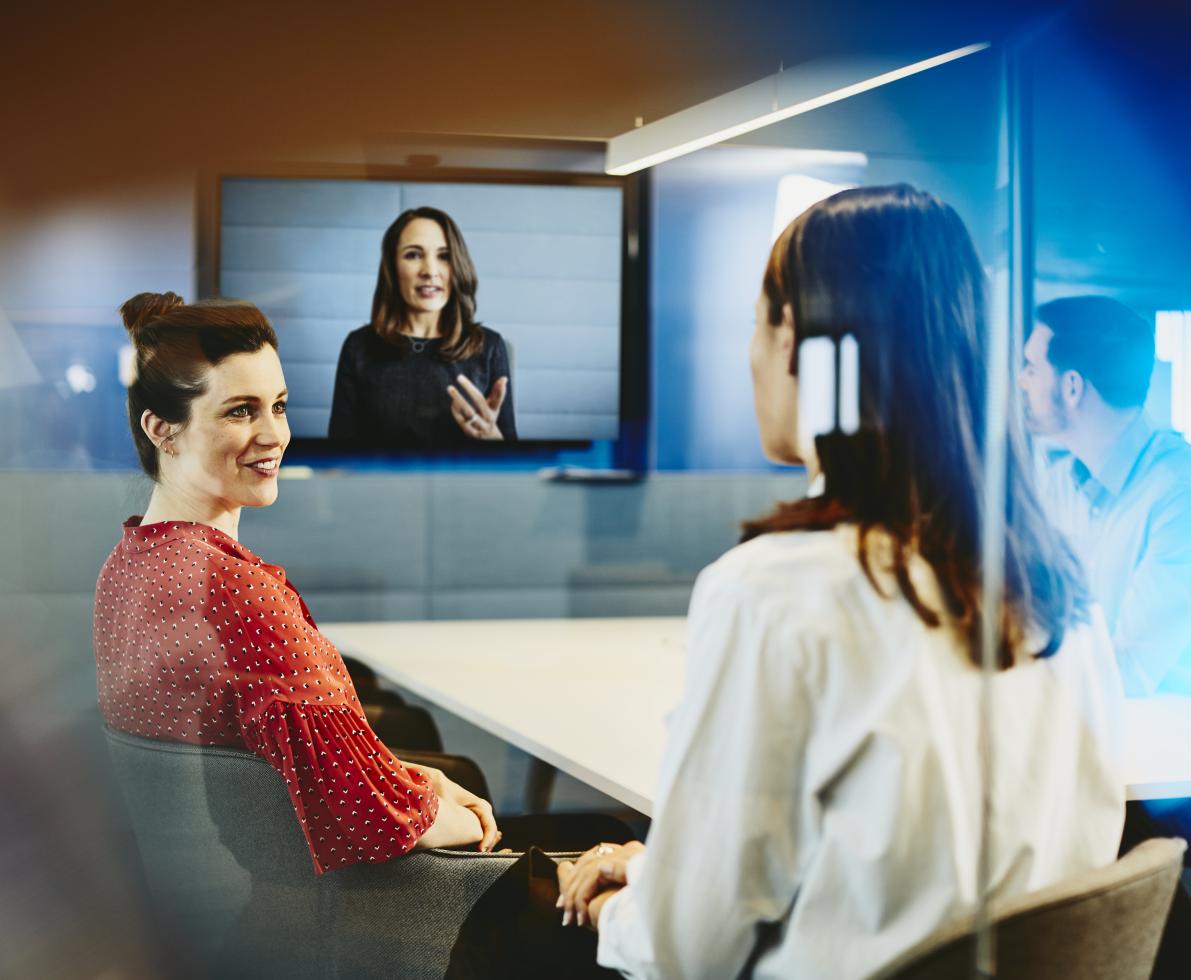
(723, 854)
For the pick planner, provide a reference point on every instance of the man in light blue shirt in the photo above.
(1119, 488)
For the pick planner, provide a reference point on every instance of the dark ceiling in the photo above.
(94, 93)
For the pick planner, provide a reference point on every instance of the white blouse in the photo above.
(818, 804)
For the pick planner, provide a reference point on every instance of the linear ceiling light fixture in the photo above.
(788, 93)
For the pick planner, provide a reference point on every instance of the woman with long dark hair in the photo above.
(423, 373)
(818, 810)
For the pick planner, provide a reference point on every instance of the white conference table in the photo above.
(590, 696)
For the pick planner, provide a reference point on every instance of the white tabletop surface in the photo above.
(590, 696)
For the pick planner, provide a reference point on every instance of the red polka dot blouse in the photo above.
(198, 640)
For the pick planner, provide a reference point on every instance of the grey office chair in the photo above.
(1102, 925)
(231, 876)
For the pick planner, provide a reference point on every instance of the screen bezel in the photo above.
(627, 450)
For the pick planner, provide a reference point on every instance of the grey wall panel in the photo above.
(684, 521)
(514, 603)
(414, 532)
(648, 600)
(488, 207)
(511, 603)
(565, 391)
(516, 532)
(565, 351)
(298, 249)
(316, 382)
(48, 660)
(580, 302)
(341, 534)
(535, 425)
(357, 606)
(310, 423)
(13, 534)
(557, 255)
(70, 525)
(538, 345)
(311, 294)
(314, 339)
(510, 529)
(338, 203)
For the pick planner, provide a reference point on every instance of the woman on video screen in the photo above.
(423, 374)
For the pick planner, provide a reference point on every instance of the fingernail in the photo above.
(566, 917)
(580, 918)
(558, 904)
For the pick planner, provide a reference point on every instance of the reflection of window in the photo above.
(1172, 341)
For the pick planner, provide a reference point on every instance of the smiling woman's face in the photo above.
(423, 267)
(228, 454)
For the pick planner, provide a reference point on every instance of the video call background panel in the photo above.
(547, 258)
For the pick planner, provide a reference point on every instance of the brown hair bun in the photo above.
(144, 308)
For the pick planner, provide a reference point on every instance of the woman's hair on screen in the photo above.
(176, 343)
(463, 335)
(896, 268)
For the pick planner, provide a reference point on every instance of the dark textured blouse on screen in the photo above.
(393, 394)
(198, 640)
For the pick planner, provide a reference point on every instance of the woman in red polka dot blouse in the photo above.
(198, 640)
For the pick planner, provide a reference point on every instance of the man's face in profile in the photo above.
(1045, 413)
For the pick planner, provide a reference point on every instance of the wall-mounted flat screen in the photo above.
(492, 313)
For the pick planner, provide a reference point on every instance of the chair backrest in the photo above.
(231, 875)
(402, 727)
(1101, 925)
(458, 768)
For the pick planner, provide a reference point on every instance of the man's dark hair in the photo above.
(1106, 342)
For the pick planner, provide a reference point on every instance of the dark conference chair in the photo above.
(1102, 925)
(399, 725)
(230, 875)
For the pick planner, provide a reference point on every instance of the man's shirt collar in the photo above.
(1114, 472)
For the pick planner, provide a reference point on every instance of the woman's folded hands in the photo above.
(587, 883)
(463, 818)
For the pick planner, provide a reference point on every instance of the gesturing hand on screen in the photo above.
(474, 413)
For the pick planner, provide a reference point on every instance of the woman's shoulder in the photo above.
(789, 554)
(359, 338)
(493, 340)
(798, 569)
(187, 543)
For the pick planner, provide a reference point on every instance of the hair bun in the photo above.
(144, 308)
